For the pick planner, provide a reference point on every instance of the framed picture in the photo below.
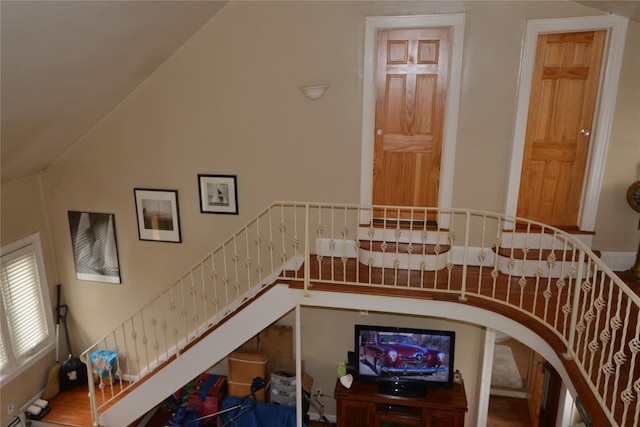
(218, 194)
(158, 215)
(95, 250)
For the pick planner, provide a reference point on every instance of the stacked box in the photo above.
(283, 388)
(206, 393)
(244, 366)
(276, 341)
(283, 383)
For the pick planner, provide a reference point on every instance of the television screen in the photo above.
(404, 354)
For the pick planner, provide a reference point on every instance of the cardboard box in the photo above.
(283, 382)
(276, 341)
(206, 393)
(289, 366)
(244, 366)
(284, 398)
(283, 379)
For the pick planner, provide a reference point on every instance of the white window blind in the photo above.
(26, 312)
(3, 355)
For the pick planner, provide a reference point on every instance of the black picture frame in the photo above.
(218, 194)
(95, 246)
(158, 215)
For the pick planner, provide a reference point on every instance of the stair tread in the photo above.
(533, 228)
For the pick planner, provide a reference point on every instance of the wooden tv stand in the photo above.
(362, 406)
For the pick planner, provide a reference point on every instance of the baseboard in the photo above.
(619, 261)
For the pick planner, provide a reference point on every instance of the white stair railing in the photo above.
(549, 276)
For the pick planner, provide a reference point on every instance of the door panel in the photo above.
(411, 82)
(562, 104)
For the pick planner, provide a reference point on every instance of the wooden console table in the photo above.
(363, 406)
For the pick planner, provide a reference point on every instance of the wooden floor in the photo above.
(522, 356)
(508, 412)
(71, 408)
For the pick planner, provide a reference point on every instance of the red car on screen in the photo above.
(397, 354)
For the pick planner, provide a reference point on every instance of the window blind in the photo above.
(25, 327)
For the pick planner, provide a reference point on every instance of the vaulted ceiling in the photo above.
(66, 64)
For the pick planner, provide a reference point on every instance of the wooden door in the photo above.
(561, 111)
(535, 384)
(411, 81)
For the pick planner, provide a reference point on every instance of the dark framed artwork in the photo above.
(158, 215)
(95, 248)
(218, 194)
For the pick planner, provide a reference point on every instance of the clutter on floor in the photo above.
(244, 397)
(38, 409)
(204, 403)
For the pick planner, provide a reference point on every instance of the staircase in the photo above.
(201, 355)
(582, 308)
(530, 250)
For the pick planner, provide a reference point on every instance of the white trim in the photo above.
(484, 389)
(616, 261)
(619, 261)
(565, 407)
(449, 135)
(616, 27)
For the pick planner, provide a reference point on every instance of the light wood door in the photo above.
(561, 110)
(411, 82)
(535, 385)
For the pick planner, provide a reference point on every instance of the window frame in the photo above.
(15, 367)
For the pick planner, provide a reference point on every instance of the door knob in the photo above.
(379, 132)
(585, 132)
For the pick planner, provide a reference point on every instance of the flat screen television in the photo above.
(404, 354)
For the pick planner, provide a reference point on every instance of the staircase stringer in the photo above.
(211, 349)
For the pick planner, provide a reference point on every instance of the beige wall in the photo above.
(617, 224)
(228, 103)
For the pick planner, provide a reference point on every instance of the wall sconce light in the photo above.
(314, 92)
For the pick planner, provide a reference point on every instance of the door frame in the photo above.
(616, 28)
(373, 24)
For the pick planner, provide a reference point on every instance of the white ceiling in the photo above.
(66, 64)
